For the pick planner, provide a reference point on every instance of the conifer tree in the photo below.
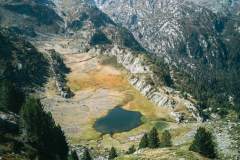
(203, 143)
(86, 155)
(166, 139)
(144, 141)
(153, 140)
(112, 153)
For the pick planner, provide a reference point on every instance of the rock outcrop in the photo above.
(58, 68)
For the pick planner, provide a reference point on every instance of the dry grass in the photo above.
(96, 79)
(163, 154)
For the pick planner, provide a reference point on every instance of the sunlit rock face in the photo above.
(175, 29)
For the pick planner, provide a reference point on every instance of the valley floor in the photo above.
(99, 85)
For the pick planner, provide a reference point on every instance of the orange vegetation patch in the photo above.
(94, 79)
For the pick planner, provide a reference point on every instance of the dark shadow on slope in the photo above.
(20, 62)
(43, 14)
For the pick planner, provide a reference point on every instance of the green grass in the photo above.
(161, 125)
(127, 158)
(188, 155)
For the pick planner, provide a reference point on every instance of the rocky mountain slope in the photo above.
(198, 42)
(181, 31)
(30, 17)
(90, 30)
(190, 37)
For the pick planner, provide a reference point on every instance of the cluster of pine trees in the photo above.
(152, 139)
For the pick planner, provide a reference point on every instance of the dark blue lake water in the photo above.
(118, 120)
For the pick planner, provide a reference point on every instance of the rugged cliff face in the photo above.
(178, 30)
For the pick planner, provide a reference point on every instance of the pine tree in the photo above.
(86, 155)
(203, 143)
(131, 150)
(166, 139)
(112, 153)
(144, 141)
(39, 129)
(153, 140)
